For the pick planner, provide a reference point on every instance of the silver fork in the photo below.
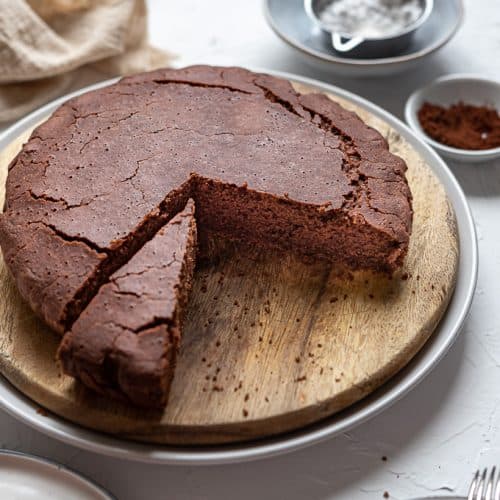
(485, 486)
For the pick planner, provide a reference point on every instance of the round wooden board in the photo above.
(270, 344)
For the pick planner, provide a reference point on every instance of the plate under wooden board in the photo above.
(270, 344)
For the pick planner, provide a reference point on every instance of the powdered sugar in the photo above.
(370, 18)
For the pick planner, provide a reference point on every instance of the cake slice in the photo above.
(124, 344)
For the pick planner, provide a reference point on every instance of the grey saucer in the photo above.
(290, 22)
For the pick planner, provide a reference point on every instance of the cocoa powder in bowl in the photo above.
(461, 125)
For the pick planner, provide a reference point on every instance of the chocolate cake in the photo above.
(125, 342)
(264, 164)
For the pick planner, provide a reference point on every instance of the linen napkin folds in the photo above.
(48, 47)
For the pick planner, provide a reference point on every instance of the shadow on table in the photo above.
(478, 179)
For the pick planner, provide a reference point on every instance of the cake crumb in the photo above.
(301, 378)
(245, 413)
(42, 411)
(404, 276)
(247, 397)
(297, 359)
(217, 344)
(320, 346)
(217, 388)
(386, 494)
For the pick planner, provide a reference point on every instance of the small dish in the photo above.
(291, 23)
(362, 45)
(447, 90)
(24, 476)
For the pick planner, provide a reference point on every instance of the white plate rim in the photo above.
(25, 410)
(351, 62)
(58, 468)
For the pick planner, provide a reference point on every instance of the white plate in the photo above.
(290, 22)
(24, 409)
(26, 477)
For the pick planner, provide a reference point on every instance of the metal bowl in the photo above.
(364, 46)
(24, 409)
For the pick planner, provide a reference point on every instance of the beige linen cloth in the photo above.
(48, 47)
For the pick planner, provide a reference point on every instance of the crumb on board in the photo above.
(42, 411)
(245, 413)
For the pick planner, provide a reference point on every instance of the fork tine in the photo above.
(496, 495)
(480, 486)
(488, 495)
(473, 487)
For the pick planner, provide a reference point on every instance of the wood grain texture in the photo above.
(270, 343)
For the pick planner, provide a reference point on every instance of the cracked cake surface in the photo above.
(125, 342)
(264, 164)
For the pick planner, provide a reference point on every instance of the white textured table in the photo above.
(437, 435)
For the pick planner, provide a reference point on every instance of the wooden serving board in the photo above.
(270, 343)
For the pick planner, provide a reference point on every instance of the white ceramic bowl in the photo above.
(449, 90)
